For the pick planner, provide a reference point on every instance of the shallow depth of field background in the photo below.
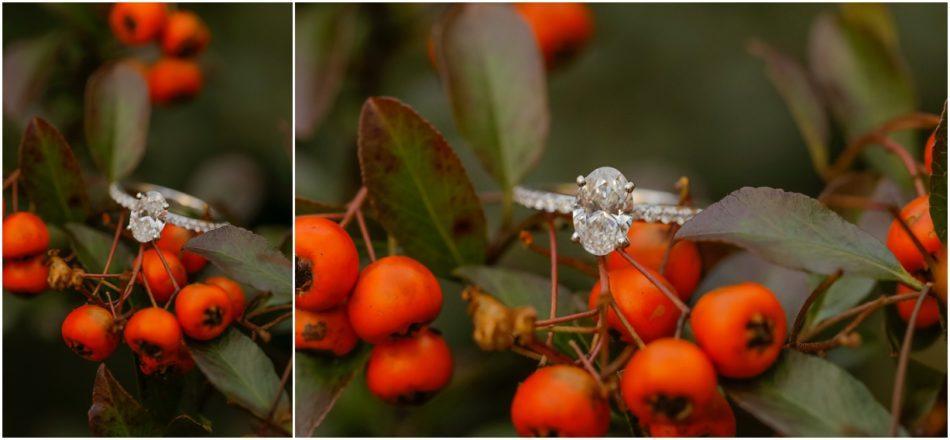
(661, 91)
(233, 141)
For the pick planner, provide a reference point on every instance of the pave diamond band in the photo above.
(605, 206)
(149, 209)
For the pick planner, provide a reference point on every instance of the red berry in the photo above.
(560, 401)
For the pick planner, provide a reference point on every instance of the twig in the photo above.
(276, 321)
(903, 122)
(898, 395)
(565, 318)
(168, 271)
(280, 390)
(571, 329)
(818, 291)
(136, 266)
(548, 352)
(626, 324)
(587, 365)
(527, 353)
(267, 310)
(684, 309)
(14, 175)
(874, 305)
(913, 238)
(115, 245)
(602, 304)
(565, 260)
(909, 163)
(353, 206)
(552, 244)
(365, 233)
(620, 361)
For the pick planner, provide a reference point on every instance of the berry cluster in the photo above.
(389, 304)
(739, 331)
(181, 36)
(25, 241)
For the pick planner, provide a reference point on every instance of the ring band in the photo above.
(149, 209)
(605, 206)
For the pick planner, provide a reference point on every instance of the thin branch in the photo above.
(620, 361)
(626, 324)
(909, 163)
(671, 295)
(903, 122)
(873, 305)
(136, 266)
(565, 318)
(115, 245)
(571, 329)
(353, 206)
(527, 353)
(552, 244)
(565, 260)
(365, 233)
(168, 271)
(602, 305)
(267, 310)
(11, 178)
(587, 365)
(898, 396)
(280, 390)
(276, 320)
(913, 238)
(498, 246)
(803, 311)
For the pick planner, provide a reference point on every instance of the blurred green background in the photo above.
(231, 146)
(661, 91)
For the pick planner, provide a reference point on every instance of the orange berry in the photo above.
(560, 401)
(929, 311)
(137, 23)
(154, 333)
(154, 272)
(648, 245)
(203, 310)
(24, 234)
(89, 330)
(668, 381)
(235, 294)
(327, 331)
(327, 263)
(173, 239)
(740, 327)
(26, 276)
(185, 35)
(561, 29)
(929, 152)
(180, 363)
(409, 370)
(917, 216)
(173, 80)
(645, 307)
(716, 420)
(393, 296)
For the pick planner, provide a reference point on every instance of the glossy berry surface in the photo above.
(173, 239)
(24, 234)
(153, 332)
(741, 328)
(393, 296)
(644, 305)
(203, 310)
(917, 216)
(235, 294)
(327, 331)
(409, 370)
(89, 331)
(137, 23)
(668, 381)
(649, 243)
(162, 280)
(560, 401)
(327, 263)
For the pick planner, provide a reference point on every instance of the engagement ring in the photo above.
(149, 209)
(605, 206)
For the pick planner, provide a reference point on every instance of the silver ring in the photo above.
(604, 207)
(149, 209)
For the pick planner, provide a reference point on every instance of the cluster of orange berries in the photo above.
(916, 215)
(739, 332)
(181, 35)
(389, 304)
(25, 241)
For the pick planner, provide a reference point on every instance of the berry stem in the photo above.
(112, 249)
(898, 395)
(913, 238)
(528, 240)
(552, 244)
(565, 318)
(365, 233)
(527, 353)
(909, 163)
(904, 122)
(136, 266)
(168, 271)
(620, 361)
(570, 329)
(276, 320)
(353, 206)
(280, 391)
(857, 310)
(803, 311)
(602, 304)
(587, 365)
(14, 175)
(267, 310)
(684, 309)
(626, 323)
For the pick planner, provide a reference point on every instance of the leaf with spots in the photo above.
(116, 119)
(50, 174)
(115, 413)
(239, 369)
(419, 190)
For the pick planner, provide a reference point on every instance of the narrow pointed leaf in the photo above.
(51, 175)
(795, 231)
(117, 111)
(806, 396)
(319, 381)
(115, 413)
(240, 370)
(418, 188)
(938, 180)
(248, 258)
(494, 76)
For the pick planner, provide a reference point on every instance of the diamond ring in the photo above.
(605, 206)
(149, 209)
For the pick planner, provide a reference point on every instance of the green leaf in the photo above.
(844, 294)
(319, 382)
(27, 65)
(938, 179)
(240, 370)
(516, 288)
(114, 413)
(92, 249)
(795, 231)
(117, 111)
(857, 64)
(418, 188)
(51, 175)
(247, 258)
(324, 42)
(806, 396)
(494, 76)
(803, 100)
